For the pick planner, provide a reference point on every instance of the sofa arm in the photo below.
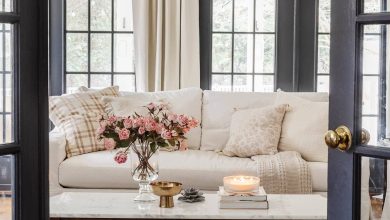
(57, 154)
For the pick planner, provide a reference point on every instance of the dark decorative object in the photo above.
(191, 195)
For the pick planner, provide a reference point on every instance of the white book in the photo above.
(257, 196)
(243, 205)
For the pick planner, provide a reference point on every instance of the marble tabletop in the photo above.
(120, 205)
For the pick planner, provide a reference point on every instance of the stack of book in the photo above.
(257, 200)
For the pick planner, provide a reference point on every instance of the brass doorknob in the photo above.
(365, 136)
(341, 138)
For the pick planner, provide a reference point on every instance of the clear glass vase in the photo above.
(144, 169)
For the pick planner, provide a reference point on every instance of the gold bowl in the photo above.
(166, 191)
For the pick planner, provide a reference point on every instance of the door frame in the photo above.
(30, 77)
(344, 168)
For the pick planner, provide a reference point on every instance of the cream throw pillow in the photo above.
(77, 116)
(255, 131)
(304, 127)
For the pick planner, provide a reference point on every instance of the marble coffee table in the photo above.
(119, 205)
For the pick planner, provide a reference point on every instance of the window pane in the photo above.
(243, 15)
(371, 47)
(101, 15)
(242, 83)
(322, 83)
(125, 82)
(324, 16)
(222, 15)
(264, 53)
(6, 187)
(123, 53)
(370, 94)
(77, 15)
(100, 52)
(372, 29)
(8, 45)
(222, 53)
(76, 52)
(265, 15)
(123, 15)
(323, 53)
(264, 83)
(73, 81)
(99, 81)
(243, 53)
(221, 83)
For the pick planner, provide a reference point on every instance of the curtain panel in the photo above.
(166, 38)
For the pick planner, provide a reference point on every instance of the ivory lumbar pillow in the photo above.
(304, 127)
(255, 131)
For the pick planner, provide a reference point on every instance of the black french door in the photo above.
(23, 110)
(358, 171)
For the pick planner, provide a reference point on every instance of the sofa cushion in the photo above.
(201, 169)
(185, 101)
(77, 117)
(218, 108)
(305, 119)
(255, 131)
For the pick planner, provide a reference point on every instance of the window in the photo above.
(99, 48)
(323, 45)
(243, 45)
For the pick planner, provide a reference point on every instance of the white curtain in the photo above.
(166, 38)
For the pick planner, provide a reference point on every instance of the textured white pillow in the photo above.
(255, 131)
(304, 127)
(185, 101)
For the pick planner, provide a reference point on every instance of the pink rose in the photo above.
(128, 123)
(141, 130)
(193, 123)
(150, 125)
(109, 143)
(100, 130)
(185, 130)
(138, 122)
(182, 119)
(183, 145)
(120, 157)
(172, 117)
(166, 134)
(159, 128)
(123, 134)
(111, 119)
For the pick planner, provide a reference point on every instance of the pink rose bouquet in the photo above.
(158, 128)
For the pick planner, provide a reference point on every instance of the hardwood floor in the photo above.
(5, 208)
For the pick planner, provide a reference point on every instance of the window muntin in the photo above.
(99, 44)
(323, 46)
(243, 45)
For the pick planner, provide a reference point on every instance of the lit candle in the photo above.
(241, 184)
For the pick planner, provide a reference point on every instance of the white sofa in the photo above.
(201, 166)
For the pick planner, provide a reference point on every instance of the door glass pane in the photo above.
(375, 72)
(6, 187)
(375, 6)
(375, 195)
(6, 85)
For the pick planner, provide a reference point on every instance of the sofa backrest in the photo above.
(218, 107)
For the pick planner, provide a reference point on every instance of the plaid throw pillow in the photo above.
(77, 116)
